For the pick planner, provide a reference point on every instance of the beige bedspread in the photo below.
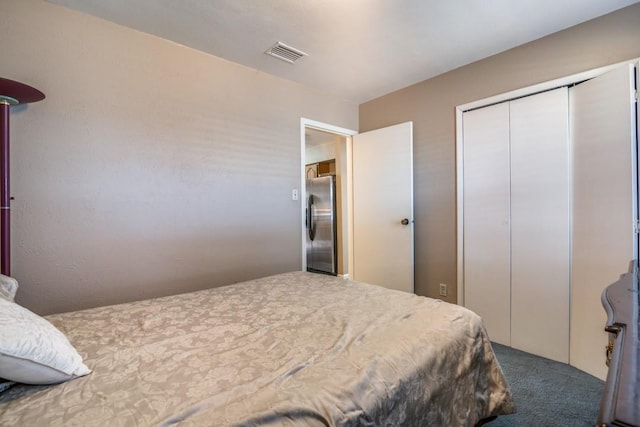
(294, 349)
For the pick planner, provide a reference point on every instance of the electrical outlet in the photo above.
(443, 290)
(294, 194)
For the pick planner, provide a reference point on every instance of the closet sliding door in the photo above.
(540, 243)
(487, 249)
(516, 221)
(546, 228)
(604, 204)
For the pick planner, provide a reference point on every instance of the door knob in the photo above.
(405, 221)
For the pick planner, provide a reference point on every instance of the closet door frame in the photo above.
(587, 317)
(507, 96)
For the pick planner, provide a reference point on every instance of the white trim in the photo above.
(518, 93)
(326, 127)
(636, 243)
(313, 124)
(349, 198)
(541, 87)
(412, 217)
(460, 207)
(570, 167)
(635, 73)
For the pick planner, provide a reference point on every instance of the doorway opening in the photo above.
(326, 160)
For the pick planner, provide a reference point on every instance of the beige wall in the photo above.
(150, 168)
(431, 106)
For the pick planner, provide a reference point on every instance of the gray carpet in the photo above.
(547, 393)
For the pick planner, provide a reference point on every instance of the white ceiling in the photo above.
(357, 49)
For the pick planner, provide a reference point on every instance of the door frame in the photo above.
(346, 199)
(460, 109)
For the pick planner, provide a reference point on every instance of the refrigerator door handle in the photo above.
(310, 218)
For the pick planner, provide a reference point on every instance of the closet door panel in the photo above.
(540, 245)
(486, 218)
(603, 132)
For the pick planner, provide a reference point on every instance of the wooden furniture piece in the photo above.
(620, 403)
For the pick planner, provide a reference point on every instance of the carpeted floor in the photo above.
(547, 393)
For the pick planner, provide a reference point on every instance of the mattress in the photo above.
(295, 349)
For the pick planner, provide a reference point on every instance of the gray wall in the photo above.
(431, 106)
(150, 168)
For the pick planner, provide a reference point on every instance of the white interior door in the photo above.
(540, 251)
(486, 217)
(604, 146)
(382, 198)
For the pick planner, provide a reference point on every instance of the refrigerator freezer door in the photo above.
(321, 225)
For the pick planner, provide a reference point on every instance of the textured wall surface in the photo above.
(150, 168)
(431, 106)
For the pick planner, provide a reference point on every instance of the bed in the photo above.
(295, 349)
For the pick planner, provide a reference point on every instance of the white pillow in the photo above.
(33, 351)
(8, 287)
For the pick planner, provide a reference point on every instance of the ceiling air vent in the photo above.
(284, 52)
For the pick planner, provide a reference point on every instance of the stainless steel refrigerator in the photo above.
(321, 225)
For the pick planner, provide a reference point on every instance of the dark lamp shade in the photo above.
(18, 93)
